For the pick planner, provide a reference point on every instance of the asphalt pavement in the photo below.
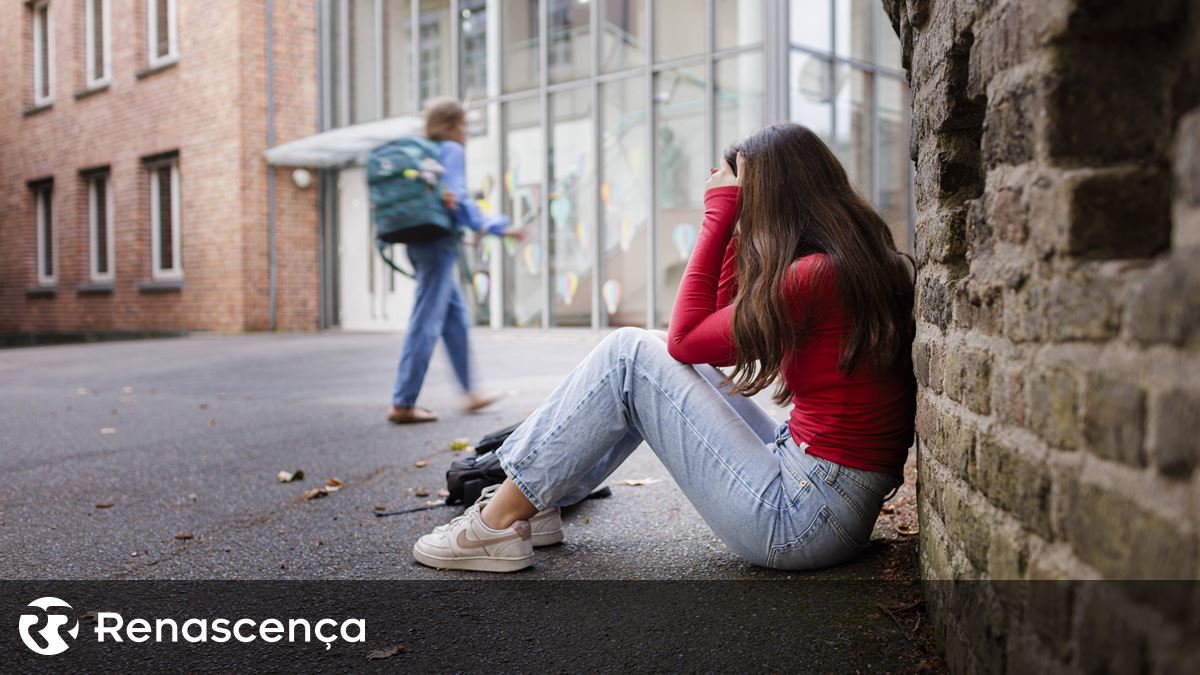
(157, 459)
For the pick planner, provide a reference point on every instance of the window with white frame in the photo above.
(43, 199)
(164, 219)
(162, 31)
(100, 227)
(97, 43)
(43, 53)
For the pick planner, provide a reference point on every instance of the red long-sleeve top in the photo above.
(863, 420)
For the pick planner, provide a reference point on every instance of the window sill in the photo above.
(33, 110)
(48, 291)
(157, 68)
(99, 288)
(165, 286)
(92, 91)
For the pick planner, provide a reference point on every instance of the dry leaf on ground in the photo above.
(107, 431)
(104, 505)
(420, 464)
(289, 476)
(386, 652)
(638, 482)
(460, 443)
(335, 484)
(185, 536)
(421, 492)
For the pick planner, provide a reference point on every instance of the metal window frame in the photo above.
(157, 272)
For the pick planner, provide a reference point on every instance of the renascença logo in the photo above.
(51, 633)
(112, 627)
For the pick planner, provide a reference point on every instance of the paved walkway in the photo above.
(157, 459)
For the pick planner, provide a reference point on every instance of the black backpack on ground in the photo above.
(467, 477)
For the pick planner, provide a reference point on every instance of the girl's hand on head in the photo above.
(725, 176)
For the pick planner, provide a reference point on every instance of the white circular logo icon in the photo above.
(51, 633)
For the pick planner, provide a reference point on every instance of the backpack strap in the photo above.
(382, 248)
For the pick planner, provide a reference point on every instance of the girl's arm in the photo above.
(454, 178)
(701, 329)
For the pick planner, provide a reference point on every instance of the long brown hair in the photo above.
(797, 201)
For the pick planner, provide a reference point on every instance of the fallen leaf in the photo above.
(420, 464)
(888, 508)
(443, 493)
(421, 492)
(334, 483)
(104, 505)
(380, 507)
(908, 530)
(289, 476)
(212, 423)
(315, 493)
(587, 519)
(386, 653)
(185, 536)
(331, 486)
(107, 431)
(460, 443)
(638, 482)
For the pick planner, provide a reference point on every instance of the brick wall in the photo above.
(1057, 146)
(211, 109)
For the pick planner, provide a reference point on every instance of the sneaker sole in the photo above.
(540, 539)
(476, 564)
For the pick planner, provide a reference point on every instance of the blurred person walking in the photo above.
(440, 311)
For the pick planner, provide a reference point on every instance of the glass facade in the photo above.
(594, 123)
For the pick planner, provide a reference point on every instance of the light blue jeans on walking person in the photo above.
(440, 312)
(768, 499)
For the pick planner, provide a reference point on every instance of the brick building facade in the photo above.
(1058, 353)
(157, 110)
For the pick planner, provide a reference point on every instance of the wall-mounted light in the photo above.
(302, 178)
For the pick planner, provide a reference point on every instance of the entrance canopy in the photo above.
(344, 146)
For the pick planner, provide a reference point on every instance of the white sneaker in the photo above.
(466, 543)
(546, 525)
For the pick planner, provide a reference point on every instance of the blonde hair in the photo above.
(442, 115)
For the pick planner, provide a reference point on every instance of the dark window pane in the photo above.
(101, 215)
(166, 248)
(162, 28)
(44, 47)
(47, 232)
(97, 38)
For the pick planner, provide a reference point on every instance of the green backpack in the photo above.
(404, 183)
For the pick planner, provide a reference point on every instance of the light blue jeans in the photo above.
(440, 312)
(770, 501)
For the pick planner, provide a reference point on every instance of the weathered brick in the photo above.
(934, 302)
(1186, 162)
(1053, 404)
(1008, 555)
(1108, 638)
(941, 237)
(1111, 91)
(1080, 307)
(1004, 39)
(979, 305)
(1113, 419)
(1007, 213)
(1008, 394)
(969, 528)
(1123, 540)
(948, 170)
(1015, 482)
(1165, 306)
(1008, 132)
(954, 446)
(1117, 213)
(968, 377)
(1176, 431)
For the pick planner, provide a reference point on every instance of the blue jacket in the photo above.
(454, 177)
